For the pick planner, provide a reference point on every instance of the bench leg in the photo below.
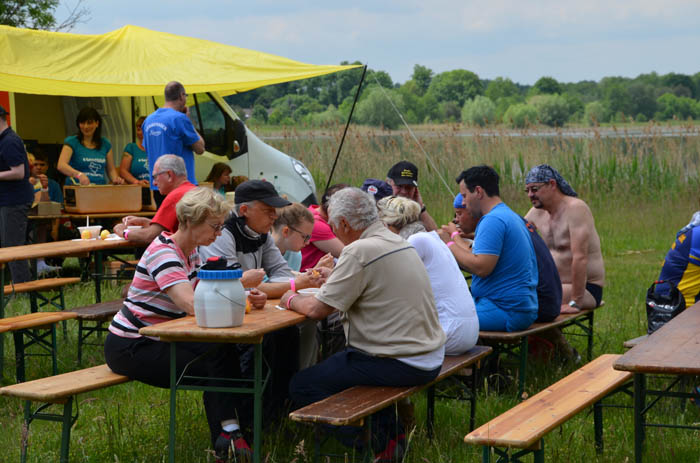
(63, 307)
(19, 355)
(80, 342)
(639, 404)
(65, 429)
(476, 375)
(590, 336)
(317, 443)
(598, 426)
(522, 372)
(430, 415)
(486, 454)
(539, 453)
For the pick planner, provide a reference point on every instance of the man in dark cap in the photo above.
(377, 188)
(567, 226)
(16, 195)
(403, 179)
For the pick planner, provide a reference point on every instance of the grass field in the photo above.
(641, 191)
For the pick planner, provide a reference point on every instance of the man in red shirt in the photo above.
(170, 176)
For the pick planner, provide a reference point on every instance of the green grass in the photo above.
(636, 221)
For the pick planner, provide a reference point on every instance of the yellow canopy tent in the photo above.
(133, 61)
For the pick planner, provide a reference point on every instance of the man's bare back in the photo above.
(571, 237)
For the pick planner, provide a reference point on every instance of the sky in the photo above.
(519, 39)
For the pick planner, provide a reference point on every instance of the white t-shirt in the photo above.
(454, 302)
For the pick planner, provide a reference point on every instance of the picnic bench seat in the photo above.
(90, 319)
(525, 425)
(351, 406)
(515, 343)
(60, 389)
(30, 329)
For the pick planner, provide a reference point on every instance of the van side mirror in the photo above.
(240, 140)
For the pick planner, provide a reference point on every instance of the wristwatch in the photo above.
(573, 304)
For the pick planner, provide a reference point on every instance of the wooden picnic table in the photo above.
(102, 215)
(255, 325)
(673, 350)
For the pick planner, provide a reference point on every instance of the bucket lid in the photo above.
(219, 274)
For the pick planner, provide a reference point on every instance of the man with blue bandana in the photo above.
(567, 226)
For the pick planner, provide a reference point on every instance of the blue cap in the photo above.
(377, 188)
(458, 201)
(219, 274)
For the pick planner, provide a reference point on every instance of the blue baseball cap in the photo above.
(377, 188)
(458, 204)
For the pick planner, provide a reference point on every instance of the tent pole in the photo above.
(347, 124)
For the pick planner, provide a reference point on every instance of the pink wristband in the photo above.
(453, 234)
(292, 285)
(450, 243)
(289, 301)
(126, 234)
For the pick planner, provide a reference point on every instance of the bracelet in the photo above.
(450, 243)
(44, 190)
(454, 233)
(79, 175)
(289, 301)
(422, 209)
(126, 234)
(292, 285)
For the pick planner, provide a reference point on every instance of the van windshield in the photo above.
(213, 124)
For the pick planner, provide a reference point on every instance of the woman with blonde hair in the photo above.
(454, 302)
(162, 290)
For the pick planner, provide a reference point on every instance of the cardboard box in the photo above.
(95, 199)
(48, 208)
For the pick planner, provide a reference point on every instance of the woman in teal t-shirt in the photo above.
(134, 165)
(87, 156)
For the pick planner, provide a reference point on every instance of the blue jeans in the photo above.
(352, 368)
(493, 318)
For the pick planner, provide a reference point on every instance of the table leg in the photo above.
(173, 392)
(639, 403)
(522, 372)
(257, 404)
(99, 271)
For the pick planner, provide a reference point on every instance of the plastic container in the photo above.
(93, 229)
(94, 199)
(219, 300)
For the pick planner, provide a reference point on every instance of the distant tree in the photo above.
(331, 116)
(595, 113)
(41, 14)
(382, 77)
(546, 86)
(501, 88)
(448, 111)
(259, 113)
(552, 110)
(479, 111)
(643, 100)
(617, 98)
(502, 105)
(520, 116)
(575, 105)
(422, 76)
(682, 84)
(457, 86)
(586, 90)
(671, 106)
(375, 109)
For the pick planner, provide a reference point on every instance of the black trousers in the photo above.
(148, 361)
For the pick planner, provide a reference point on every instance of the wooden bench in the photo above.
(90, 319)
(515, 343)
(31, 329)
(351, 406)
(525, 425)
(60, 389)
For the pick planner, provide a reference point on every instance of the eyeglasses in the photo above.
(217, 227)
(534, 188)
(303, 235)
(159, 173)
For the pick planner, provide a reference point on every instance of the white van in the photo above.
(46, 120)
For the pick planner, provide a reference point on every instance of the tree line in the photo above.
(461, 96)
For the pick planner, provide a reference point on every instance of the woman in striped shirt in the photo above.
(163, 289)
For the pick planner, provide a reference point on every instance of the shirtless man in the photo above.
(567, 226)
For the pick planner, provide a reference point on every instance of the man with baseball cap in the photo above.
(16, 195)
(403, 178)
(377, 188)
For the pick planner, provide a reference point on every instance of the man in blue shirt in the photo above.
(16, 195)
(502, 258)
(169, 131)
